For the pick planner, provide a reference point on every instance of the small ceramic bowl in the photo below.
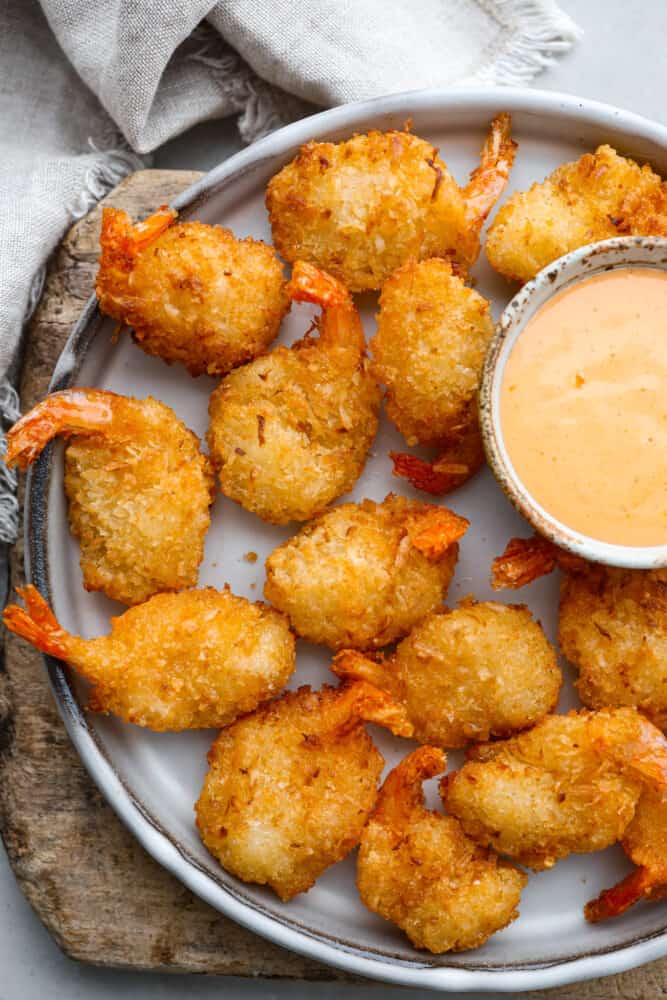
(621, 251)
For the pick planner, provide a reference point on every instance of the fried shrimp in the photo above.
(361, 208)
(291, 431)
(428, 351)
(600, 195)
(612, 625)
(290, 787)
(482, 670)
(192, 293)
(418, 869)
(138, 486)
(363, 574)
(570, 784)
(180, 661)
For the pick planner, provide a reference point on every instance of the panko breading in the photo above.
(290, 787)
(569, 785)
(361, 208)
(479, 671)
(598, 196)
(418, 869)
(138, 486)
(363, 574)
(192, 293)
(612, 624)
(180, 661)
(291, 431)
(428, 351)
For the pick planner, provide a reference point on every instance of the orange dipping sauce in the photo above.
(583, 406)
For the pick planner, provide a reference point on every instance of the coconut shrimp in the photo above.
(598, 196)
(291, 431)
(482, 670)
(362, 574)
(574, 783)
(612, 624)
(428, 351)
(418, 869)
(290, 787)
(138, 486)
(180, 661)
(363, 207)
(192, 293)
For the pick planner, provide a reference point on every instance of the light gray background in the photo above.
(620, 60)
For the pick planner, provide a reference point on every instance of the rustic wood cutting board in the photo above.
(104, 900)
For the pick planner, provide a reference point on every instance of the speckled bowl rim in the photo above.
(424, 971)
(596, 258)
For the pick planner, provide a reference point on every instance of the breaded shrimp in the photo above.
(418, 869)
(612, 625)
(363, 574)
(192, 293)
(570, 784)
(428, 351)
(290, 787)
(180, 661)
(138, 486)
(290, 432)
(482, 670)
(598, 196)
(361, 208)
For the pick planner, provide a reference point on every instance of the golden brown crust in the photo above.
(570, 784)
(418, 869)
(483, 670)
(596, 197)
(290, 787)
(138, 486)
(291, 431)
(361, 208)
(613, 628)
(363, 574)
(193, 293)
(192, 660)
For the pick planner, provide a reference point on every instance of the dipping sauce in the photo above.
(583, 406)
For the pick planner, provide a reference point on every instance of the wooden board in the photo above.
(104, 900)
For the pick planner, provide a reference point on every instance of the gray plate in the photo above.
(152, 780)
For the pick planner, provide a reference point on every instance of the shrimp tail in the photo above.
(436, 530)
(122, 242)
(524, 560)
(460, 455)
(339, 324)
(71, 411)
(488, 181)
(363, 701)
(350, 664)
(402, 791)
(639, 884)
(36, 623)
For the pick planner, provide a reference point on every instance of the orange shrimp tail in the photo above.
(402, 791)
(72, 411)
(309, 284)
(437, 478)
(639, 884)
(524, 560)
(121, 242)
(364, 701)
(435, 531)
(36, 623)
(488, 181)
(350, 664)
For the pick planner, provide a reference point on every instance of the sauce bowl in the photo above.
(586, 261)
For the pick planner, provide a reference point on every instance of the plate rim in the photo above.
(150, 834)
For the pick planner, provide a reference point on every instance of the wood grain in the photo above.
(104, 900)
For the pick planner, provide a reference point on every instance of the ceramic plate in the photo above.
(152, 780)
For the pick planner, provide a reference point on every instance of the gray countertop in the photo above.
(619, 60)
